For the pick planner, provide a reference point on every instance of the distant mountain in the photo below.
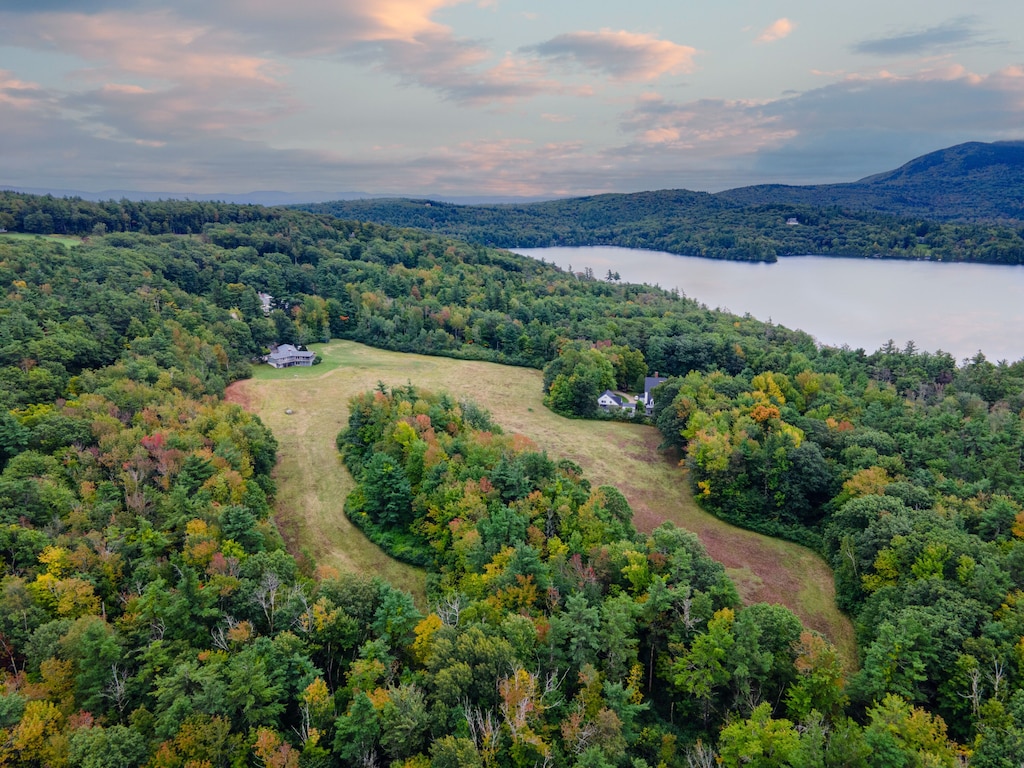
(964, 203)
(968, 182)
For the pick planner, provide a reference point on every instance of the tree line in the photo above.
(699, 224)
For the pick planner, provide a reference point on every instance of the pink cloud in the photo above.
(236, 44)
(156, 45)
(130, 112)
(461, 71)
(152, 76)
(624, 55)
(318, 27)
(500, 166)
(717, 126)
(777, 30)
(888, 102)
(22, 94)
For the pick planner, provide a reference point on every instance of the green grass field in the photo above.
(68, 241)
(313, 482)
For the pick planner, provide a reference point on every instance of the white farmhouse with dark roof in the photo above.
(286, 356)
(647, 398)
(609, 399)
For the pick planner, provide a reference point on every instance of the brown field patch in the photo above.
(313, 483)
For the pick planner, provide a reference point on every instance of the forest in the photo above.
(153, 614)
(676, 221)
(700, 224)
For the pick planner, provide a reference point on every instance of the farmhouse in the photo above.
(609, 399)
(285, 356)
(647, 398)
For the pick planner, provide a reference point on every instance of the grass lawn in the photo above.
(313, 483)
(68, 241)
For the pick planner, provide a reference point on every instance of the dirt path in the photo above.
(313, 483)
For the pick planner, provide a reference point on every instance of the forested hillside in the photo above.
(968, 182)
(153, 617)
(907, 214)
(696, 224)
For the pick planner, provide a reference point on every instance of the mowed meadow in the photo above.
(307, 407)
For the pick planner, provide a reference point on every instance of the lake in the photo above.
(958, 308)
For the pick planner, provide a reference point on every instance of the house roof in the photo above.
(287, 350)
(650, 382)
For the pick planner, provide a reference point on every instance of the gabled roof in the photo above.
(288, 350)
(650, 382)
(614, 398)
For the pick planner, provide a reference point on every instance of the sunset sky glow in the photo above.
(494, 97)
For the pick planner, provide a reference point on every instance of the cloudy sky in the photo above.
(495, 97)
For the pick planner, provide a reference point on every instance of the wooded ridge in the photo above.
(965, 203)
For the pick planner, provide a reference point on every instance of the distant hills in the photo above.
(968, 182)
(965, 203)
(258, 197)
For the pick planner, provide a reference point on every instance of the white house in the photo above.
(286, 356)
(609, 399)
(267, 302)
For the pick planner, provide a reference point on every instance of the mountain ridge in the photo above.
(972, 181)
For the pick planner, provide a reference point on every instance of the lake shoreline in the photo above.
(860, 302)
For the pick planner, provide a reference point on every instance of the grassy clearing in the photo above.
(68, 241)
(313, 483)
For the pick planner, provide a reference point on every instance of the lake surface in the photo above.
(958, 308)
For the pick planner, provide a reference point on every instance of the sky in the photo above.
(497, 98)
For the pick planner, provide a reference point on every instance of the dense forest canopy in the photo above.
(617, 646)
(152, 615)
